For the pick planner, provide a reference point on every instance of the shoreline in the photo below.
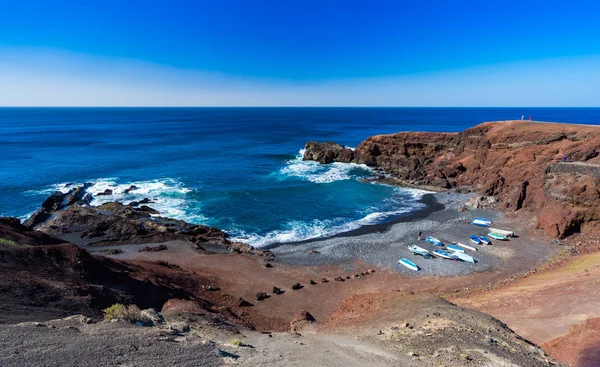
(429, 200)
(382, 246)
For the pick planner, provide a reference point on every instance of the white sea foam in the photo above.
(167, 195)
(321, 173)
(300, 231)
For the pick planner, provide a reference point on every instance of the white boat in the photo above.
(455, 248)
(484, 240)
(419, 251)
(467, 246)
(444, 254)
(464, 257)
(502, 232)
(409, 264)
(480, 223)
(434, 241)
(489, 222)
(497, 236)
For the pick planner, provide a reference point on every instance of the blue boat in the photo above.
(444, 254)
(480, 223)
(455, 248)
(484, 239)
(409, 264)
(475, 239)
(434, 241)
(489, 222)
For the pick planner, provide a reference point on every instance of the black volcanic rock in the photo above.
(327, 152)
(56, 202)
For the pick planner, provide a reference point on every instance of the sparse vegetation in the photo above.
(465, 356)
(118, 311)
(236, 342)
(7, 242)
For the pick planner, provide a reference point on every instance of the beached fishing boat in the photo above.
(503, 232)
(497, 236)
(434, 241)
(464, 257)
(409, 264)
(485, 240)
(489, 222)
(416, 250)
(475, 239)
(455, 248)
(444, 254)
(467, 246)
(480, 223)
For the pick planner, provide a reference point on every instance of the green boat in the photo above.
(497, 236)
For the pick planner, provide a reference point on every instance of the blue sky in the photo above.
(354, 53)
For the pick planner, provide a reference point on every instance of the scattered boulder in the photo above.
(261, 296)
(324, 280)
(153, 316)
(243, 303)
(277, 290)
(312, 282)
(301, 320)
(268, 265)
(178, 327)
(339, 279)
(297, 286)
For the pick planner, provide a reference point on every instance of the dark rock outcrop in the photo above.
(327, 152)
(65, 216)
(56, 202)
(43, 277)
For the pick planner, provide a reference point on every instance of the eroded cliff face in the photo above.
(514, 161)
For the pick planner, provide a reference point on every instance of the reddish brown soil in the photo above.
(580, 347)
(544, 307)
(241, 275)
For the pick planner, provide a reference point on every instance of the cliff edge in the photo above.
(519, 163)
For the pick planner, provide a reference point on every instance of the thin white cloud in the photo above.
(57, 78)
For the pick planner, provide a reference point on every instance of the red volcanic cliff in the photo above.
(517, 162)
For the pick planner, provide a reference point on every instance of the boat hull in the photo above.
(434, 241)
(476, 240)
(467, 246)
(455, 248)
(409, 264)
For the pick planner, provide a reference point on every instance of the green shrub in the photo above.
(236, 342)
(7, 242)
(115, 312)
(118, 311)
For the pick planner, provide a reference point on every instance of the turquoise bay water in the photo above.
(238, 169)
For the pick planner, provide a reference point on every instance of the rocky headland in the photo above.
(516, 166)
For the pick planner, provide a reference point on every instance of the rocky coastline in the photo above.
(543, 169)
(340, 296)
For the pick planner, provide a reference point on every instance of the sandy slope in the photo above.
(546, 306)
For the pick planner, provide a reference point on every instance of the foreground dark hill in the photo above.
(517, 165)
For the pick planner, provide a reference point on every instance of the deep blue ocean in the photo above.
(238, 169)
